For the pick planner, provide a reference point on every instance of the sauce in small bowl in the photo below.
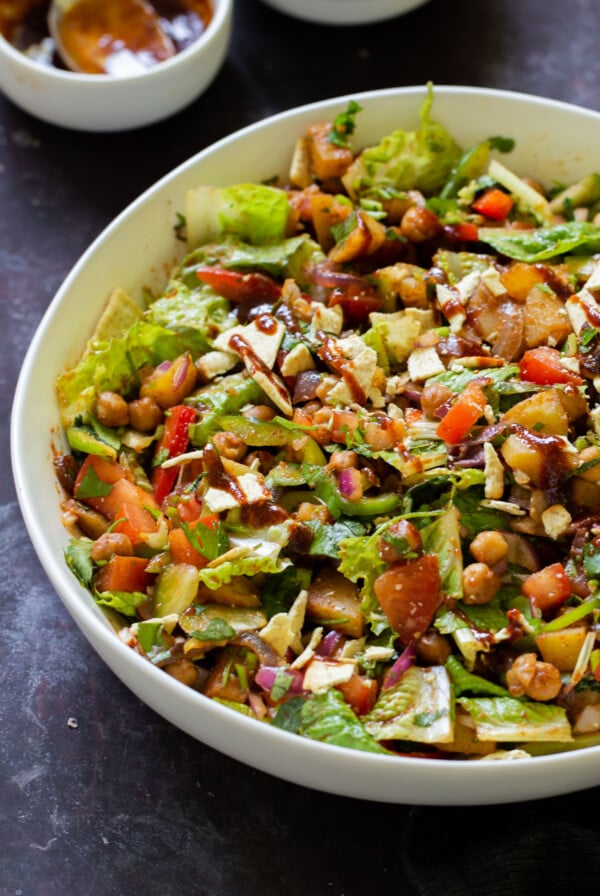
(117, 37)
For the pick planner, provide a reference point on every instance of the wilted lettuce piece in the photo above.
(442, 537)
(196, 313)
(290, 257)
(544, 242)
(124, 602)
(405, 160)
(328, 718)
(113, 366)
(466, 683)
(506, 719)
(255, 213)
(419, 708)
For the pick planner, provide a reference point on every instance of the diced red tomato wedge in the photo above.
(173, 442)
(461, 416)
(236, 287)
(357, 302)
(360, 693)
(542, 365)
(96, 471)
(463, 232)
(493, 203)
(182, 550)
(548, 588)
(124, 574)
(409, 593)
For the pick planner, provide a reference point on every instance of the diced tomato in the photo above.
(359, 692)
(96, 470)
(172, 443)
(461, 416)
(542, 365)
(236, 287)
(463, 232)
(119, 489)
(134, 520)
(189, 509)
(548, 588)
(409, 593)
(494, 204)
(124, 574)
(357, 303)
(182, 550)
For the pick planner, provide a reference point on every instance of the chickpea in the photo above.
(110, 544)
(433, 648)
(433, 396)
(145, 414)
(230, 445)
(592, 474)
(307, 512)
(378, 437)
(184, 671)
(419, 225)
(261, 412)
(342, 460)
(533, 678)
(480, 584)
(265, 459)
(111, 409)
(489, 547)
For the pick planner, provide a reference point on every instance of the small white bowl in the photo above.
(554, 142)
(345, 12)
(107, 103)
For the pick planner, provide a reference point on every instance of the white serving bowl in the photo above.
(554, 142)
(107, 103)
(345, 12)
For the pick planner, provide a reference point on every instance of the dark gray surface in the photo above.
(124, 803)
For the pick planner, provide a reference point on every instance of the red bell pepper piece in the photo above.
(494, 204)
(467, 409)
(172, 443)
(236, 287)
(542, 365)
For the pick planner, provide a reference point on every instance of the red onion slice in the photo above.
(404, 662)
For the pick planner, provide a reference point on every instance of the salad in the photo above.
(343, 474)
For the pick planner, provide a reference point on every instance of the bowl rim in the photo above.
(221, 12)
(461, 783)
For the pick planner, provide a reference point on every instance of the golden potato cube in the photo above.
(562, 648)
(545, 319)
(521, 456)
(543, 412)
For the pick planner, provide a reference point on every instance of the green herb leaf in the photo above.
(344, 125)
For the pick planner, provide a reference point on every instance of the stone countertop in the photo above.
(98, 794)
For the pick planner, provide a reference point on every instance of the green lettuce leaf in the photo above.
(419, 708)
(255, 213)
(506, 719)
(124, 602)
(328, 718)
(406, 160)
(198, 315)
(113, 366)
(284, 258)
(544, 242)
(442, 538)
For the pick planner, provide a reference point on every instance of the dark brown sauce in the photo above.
(25, 26)
(254, 364)
(329, 354)
(217, 476)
